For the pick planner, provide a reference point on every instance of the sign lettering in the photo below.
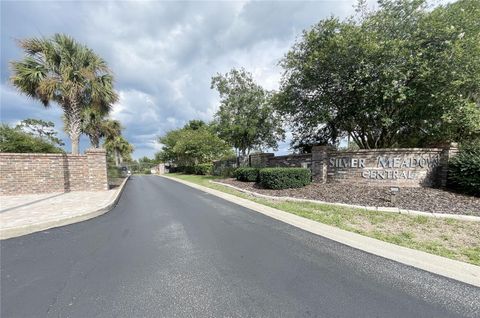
(386, 167)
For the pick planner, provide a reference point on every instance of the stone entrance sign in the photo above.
(404, 167)
(383, 167)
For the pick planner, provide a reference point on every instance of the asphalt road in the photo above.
(168, 250)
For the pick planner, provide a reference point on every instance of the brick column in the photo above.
(97, 169)
(319, 163)
(447, 153)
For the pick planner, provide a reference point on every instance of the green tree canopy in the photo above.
(61, 70)
(96, 126)
(245, 118)
(193, 144)
(404, 75)
(118, 148)
(18, 141)
(41, 128)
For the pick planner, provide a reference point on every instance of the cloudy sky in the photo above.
(163, 54)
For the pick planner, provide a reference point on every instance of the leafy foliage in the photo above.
(204, 169)
(464, 169)
(183, 169)
(246, 174)
(118, 149)
(16, 140)
(192, 145)
(61, 70)
(40, 128)
(225, 172)
(284, 178)
(403, 75)
(96, 126)
(245, 118)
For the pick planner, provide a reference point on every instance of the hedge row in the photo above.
(201, 169)
(284, 178)
(246, 174)
(275, 178)
(269, 178)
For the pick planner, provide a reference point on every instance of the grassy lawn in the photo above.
(450, 238)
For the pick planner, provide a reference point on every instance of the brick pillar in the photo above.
(319, 163)
(447, 153)
(97, 169)
(260, 159)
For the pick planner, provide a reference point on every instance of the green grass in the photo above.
(450, 238)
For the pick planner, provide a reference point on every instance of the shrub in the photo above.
(183, 169)
(113, 172)
(224, 172)
(464, 169)
(284, 178)
(188, 169)
(204, 169)
(246, 174)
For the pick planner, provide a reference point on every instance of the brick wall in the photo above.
(406, 167)
(25, 173)
(303, 160)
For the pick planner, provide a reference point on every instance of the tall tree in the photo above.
(193, 144)
(61, 70)
(245, 118)
(18, 141)
(404, 75)
(111, 128)
(41, 128)
(96, 126)
(120, 148)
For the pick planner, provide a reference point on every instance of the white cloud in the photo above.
(163, 54)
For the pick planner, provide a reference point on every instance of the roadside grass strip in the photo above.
(454, 239)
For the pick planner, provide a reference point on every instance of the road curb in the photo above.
(363, 207)
(37, 227)
(460, 271)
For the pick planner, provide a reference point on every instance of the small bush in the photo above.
(225, 172)
(204, 169)
(246, 174)
(284, 178)
(464, 169)
(189, 169)
(113, 172)
(183, 169)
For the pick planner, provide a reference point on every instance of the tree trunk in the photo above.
(95, 141)
(75, 139)
(117, 158)
(74, 120)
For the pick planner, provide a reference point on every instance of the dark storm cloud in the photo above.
(162, 53)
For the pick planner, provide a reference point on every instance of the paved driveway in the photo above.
(168, 250)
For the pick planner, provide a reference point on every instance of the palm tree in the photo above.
(61, 70)
(120, 148)
(96, 126)
(111, 129)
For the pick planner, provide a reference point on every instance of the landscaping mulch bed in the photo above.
(420, 199)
